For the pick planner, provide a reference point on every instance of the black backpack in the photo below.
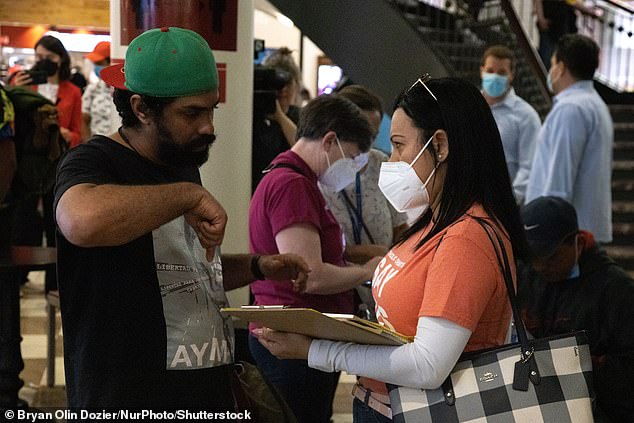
(39, 144)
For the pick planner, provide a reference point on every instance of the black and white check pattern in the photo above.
(483, 391)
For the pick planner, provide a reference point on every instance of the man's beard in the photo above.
(194, 153)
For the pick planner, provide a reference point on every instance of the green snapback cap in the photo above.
(165, 62)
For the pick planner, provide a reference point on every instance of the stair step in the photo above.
(417, 20)
(624, 164)
(623, 150)
(622, 233)
(622, 112)
(467, 47)
(623, 185)
(619, 251)
(488, 23)
(623, 229)
(624, 131)
(623, 169)
(623, 255)
(623, 190)
(623, 206)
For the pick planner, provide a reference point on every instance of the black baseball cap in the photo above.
(547, 222)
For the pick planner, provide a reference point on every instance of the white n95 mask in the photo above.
(341, 174)
(402, 187)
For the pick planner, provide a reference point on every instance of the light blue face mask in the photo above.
(494, 85)
(97, 70)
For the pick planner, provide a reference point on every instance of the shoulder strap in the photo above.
(505, 267)
(286, 165)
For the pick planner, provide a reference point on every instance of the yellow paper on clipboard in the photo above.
(306, 321)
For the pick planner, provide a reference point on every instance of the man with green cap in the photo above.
(141, 278)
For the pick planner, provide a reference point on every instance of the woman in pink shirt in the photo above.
(289, 214)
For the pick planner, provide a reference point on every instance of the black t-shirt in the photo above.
(141, 320)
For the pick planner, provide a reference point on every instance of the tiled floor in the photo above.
(34, 322)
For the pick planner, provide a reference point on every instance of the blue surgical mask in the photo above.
(494, 85)
(97, 70)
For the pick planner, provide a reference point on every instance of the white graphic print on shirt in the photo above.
(192, 292)
(388, 267)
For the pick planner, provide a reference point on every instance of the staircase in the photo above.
(622, 247)
(459, 42)
(402, 38)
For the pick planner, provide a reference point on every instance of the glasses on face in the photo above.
(422, 80)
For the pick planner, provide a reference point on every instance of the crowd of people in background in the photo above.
(332, 212)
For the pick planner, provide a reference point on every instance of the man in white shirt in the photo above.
(573, 158)
(517, 121)
(99, 114)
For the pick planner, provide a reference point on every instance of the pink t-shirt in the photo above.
(285, 197)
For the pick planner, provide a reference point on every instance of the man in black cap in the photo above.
(573, 285)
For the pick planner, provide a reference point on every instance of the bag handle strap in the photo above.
(503, 261)
(526, 367)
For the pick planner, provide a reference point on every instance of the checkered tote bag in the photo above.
(541, 380)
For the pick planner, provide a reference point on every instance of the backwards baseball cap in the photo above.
(165, 62)
(548, 221)
(101, 52)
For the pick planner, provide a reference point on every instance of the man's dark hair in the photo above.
(55, 45)
(153, 106)
(476, 167)
(333, 113)
(580, 54)
(501, 52)
(361, 96)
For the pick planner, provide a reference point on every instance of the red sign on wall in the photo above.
(215, 20)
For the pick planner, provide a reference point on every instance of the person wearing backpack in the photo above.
(38, 147)
(8, 164)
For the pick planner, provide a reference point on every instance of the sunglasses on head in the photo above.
(422, 81)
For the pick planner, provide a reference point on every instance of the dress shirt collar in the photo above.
(584, 85)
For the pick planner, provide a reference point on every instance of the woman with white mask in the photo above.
(441, 282)
(288, 214)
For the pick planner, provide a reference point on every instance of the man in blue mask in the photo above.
(517, 121)
(99, 115)
(573, 285)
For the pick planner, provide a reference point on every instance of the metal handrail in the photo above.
(621, 5)
(528, 50)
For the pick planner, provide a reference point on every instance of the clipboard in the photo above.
(309, 322)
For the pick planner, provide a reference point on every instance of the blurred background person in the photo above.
(99, 114)
(53, 59)
(369, 222)
(573, 157)
(8, 165)
(517, 121)
(573, 285)
(288, 213)
(275, 133)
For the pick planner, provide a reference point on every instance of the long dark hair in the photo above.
(55, 45)
(476, 167)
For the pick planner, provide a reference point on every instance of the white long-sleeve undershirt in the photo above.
(424, 363)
